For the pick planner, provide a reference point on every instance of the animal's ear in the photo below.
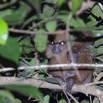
(51, 38)
(48, 53)
(87, 35)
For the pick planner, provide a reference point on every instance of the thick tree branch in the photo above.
(92, 90)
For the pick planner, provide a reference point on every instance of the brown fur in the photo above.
(68, 75)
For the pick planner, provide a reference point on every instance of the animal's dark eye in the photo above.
(62, 43)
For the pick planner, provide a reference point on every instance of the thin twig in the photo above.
(29, 32)
(54, 66)
(67, 37)
(25, 32)
(69, 46)
(3, 6)
(73, 98)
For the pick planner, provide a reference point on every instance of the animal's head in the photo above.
(58, 44)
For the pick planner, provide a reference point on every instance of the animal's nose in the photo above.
(56, 49)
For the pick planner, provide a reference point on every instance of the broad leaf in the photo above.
(62, 101)
(100, 50)
(97, 11)
(52, 80)
(17, 16)
(60, 2)
(76, 5)
(85, 101)
(98, 42)
(10, 50)
(6, 96)
(51, 26)
(3, 32)
(26, 90)
(96, 100)
(46, 99)
(41, 41)
(77, 23)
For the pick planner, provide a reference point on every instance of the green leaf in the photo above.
(44, 70)
(98, 42)
(29, 20)
(97, 11)
(48, 11)
(96, 100)
(96, 15)
(31, 63)
(6, 96)
(51, 26)
(18, 101)
(35, 4)
(63, 18)
(85, 101)
(92, 49)
(52, 80)
(60, 2)
(5, 13)
(92, 21)
(3, 32)
(44, 62)
(41, 41)
(77, 23)
(76, 5)
(62, 101)
(17, 16)
(97, 33)
(46, 99)
(51, 1)
(25, 45)
(26, 90)
(10, 50)
(100, 50)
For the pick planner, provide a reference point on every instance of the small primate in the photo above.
(57, 53)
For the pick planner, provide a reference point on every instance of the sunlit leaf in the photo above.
(3, 32)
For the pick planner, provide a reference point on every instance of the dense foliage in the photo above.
(24, 29)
